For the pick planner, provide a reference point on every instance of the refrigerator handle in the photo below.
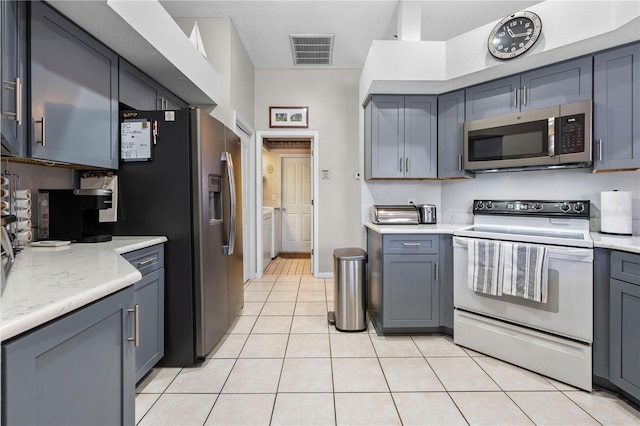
(231, 240)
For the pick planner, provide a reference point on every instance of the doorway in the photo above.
(271, 198)
(295, 204)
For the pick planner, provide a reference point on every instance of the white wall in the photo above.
(576, 184)
(227, 55)
(332, 98)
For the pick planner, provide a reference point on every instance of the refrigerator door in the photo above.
(235, 259)
(211, 270)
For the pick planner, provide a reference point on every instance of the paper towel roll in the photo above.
(616, 212)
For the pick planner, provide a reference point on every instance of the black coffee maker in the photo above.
(72, 214)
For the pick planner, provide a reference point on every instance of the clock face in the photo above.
(514, 35)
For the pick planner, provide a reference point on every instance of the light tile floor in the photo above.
(282, 364)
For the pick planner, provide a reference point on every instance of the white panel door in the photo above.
(296, 204)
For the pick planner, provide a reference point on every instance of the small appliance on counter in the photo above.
(617, 212)
(72, 214)
(427, 213)
(396, 215)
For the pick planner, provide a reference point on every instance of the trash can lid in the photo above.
(350, 253)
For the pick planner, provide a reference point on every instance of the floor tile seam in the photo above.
(385, 379)
(436, 374)
(522, 409)
(487, 373)
(456, 405)
(561, 393)
(149, 409)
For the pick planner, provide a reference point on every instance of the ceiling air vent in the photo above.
(311, 49)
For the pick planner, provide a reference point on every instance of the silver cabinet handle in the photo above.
(136, 334)
(599, 142)
(406, 165)
(515, 97)
(435, 271)
(524, 95)
(400, 164)
(16, 86)
(43, 140)
(460, 162)
(147, 261)
(411, 244)
(231, 241)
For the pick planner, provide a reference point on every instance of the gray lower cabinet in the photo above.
(403, 282)
(77, 370)
(445, 276)
(624, 349)
(139, 91)
(557, 84)
(74, 93)
(616, 105)
(13, 15)
(149, 301)
(401, 137)
(450, 135)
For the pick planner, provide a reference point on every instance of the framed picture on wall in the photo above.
(289, 117)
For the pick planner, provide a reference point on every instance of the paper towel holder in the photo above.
(616, 213)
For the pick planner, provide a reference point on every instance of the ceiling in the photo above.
(264, 25)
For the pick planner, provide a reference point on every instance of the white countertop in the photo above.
(617, 242)
(438, 228)
(45, 284)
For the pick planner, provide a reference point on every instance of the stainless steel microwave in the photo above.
(554, 137)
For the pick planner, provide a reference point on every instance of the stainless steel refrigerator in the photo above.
(187, 186)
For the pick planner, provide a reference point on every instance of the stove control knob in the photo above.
(489, 205)
(537, 206)
(578, 207)
(479, 205)
(565, 207)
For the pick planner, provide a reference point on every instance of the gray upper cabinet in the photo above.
(400, 137)
(77, 370)
(450, 135)
(74, 93)
(616, 107)
(13, 67)
(139, 91)
(557, 84)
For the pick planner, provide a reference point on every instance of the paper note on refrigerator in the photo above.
(135, 140)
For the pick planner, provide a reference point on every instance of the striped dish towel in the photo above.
(483, 267)
(525, 272)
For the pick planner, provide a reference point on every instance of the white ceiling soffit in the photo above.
(311, 49)
(264, 25)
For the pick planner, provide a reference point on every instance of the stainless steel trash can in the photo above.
(349, 289)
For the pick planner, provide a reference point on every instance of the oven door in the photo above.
(569, 308)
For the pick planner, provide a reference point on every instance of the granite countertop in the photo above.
(46, 283)
(438, 228)
(617, 242)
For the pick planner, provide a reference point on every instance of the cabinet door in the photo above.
(149, 296)
(616, 105)
(387, 136)
(171, 101)
(556, 84)
(13, 65)
(450, 135)
(410, 291)
(624, 362)
(420, 137)
(445, 284)
(77, 370)
(491, 99)
(74, 86)
(136, 89)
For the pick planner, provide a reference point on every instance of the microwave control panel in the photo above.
(572, 134)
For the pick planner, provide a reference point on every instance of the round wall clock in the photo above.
(514, 35)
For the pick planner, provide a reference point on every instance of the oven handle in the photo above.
(584, 254)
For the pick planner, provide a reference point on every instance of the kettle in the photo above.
(427, 213)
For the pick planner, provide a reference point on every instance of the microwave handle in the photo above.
(551, 130)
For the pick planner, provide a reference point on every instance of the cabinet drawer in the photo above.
(625, 267)
(147, 259)
(410, 244)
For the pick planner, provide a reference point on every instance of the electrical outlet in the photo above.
(411, 201)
